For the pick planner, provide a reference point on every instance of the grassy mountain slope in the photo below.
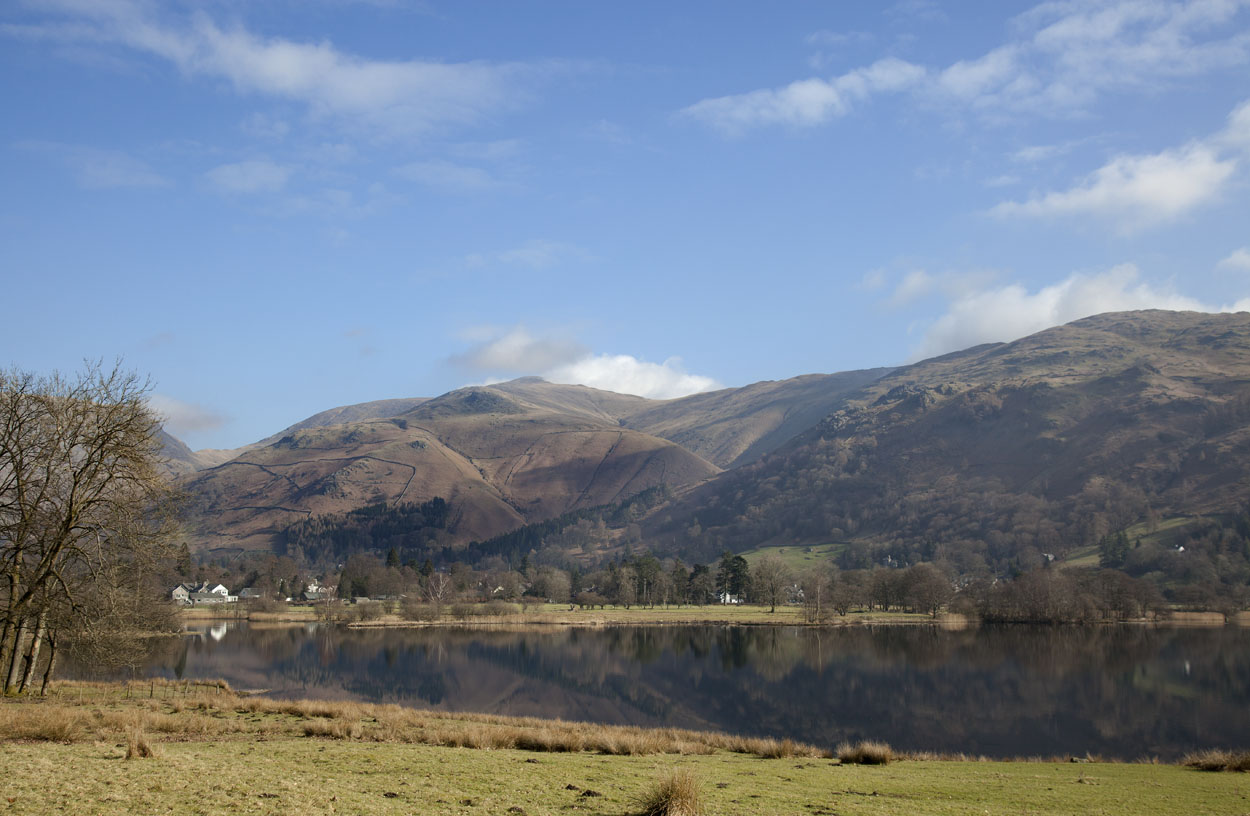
(1000, 453)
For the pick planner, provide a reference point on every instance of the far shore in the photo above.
(561, 615)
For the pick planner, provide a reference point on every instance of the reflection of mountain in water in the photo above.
(1118, 691)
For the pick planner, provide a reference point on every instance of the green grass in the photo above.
(1164, 533)
(316, 776)
(798, 557)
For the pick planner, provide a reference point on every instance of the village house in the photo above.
(205, 593)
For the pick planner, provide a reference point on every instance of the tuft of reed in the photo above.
(676, 794)
(866, 752)
(137, 745)
(1217, 759)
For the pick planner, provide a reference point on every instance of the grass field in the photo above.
(798, 558)
(216, 752)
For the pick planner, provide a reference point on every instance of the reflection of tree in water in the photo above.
(1118, 690)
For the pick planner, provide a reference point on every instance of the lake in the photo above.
(1118, 691)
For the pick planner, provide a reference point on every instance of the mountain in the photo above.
(377, 409)
(503, 455)
(995, 458)
(180, 460)
(1000, 454)
(499, 459)
(738, 425)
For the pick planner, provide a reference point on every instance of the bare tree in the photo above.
(771, 579)
(84, 510)
(438, 589)
(817, 583)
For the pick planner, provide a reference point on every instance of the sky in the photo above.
(275, 207)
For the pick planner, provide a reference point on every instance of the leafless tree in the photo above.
(438, 589)
(84, 510)
(771, 579)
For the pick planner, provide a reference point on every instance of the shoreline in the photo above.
(317, 756)
(556, 616)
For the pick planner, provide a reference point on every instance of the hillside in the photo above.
(503, 455)
(738, 425)
(498, 460)
(997, 455)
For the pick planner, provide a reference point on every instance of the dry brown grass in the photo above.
(676, 794)
(86, 712)
(137, 745)
(1216, 759)
(45, 722)
(866, 752)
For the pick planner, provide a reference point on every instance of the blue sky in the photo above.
(275, 207)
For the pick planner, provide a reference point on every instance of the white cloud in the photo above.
(1239, 260)
(95, 168)
(873, 279)
(449, 177)
(395, 96)
(806, 102)
(1010, 312)
(915, 284)
(541, 254)
(181, 418)
(518, 351)
(560, 359)
(257, 176)
(968, 79)
(1137, 191)
(1236, 135)
(629, 375)
(1134, 192)
(1062, 58)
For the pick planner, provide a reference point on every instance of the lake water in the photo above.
(1124, 692)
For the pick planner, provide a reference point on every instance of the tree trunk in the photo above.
(47, 674)
(41, 628)
(15, 658)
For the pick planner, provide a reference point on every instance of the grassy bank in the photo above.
(216, 752)
(551, 614)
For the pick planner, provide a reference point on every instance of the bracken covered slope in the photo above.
(1035, 446)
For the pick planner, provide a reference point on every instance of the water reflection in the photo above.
(1118, 691)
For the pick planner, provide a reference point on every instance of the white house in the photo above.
(205, 593)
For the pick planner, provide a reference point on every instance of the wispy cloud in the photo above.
(536, 254)
(394, 97)
(180, 417)
(1137, 191)
(559, 358)
(518, 351)
(449, 176)
(248, 177)
(96, 168)
(1062, 57)
(1004, 313)
(805, 102)
(1238, 260)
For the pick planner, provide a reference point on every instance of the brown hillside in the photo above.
(1006, 451)
(498, 460)
(738, 425)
